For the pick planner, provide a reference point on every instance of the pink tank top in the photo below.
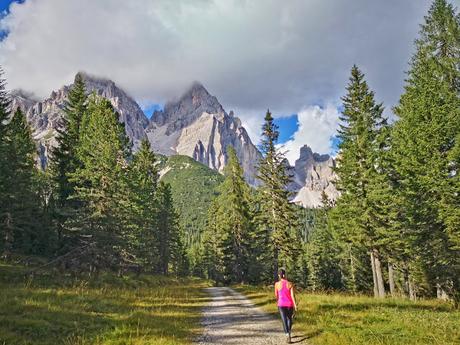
(284, 294)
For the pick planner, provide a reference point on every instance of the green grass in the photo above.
(341, 319)
(107, 310)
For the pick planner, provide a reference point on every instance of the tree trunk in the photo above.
(378, 274)
(352, 271)
(9, 237)
(275, 264)
(441, 293)
(412, 293)
(374, 275)
(406, 281)
(391, 279)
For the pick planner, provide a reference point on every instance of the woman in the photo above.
(284, 292)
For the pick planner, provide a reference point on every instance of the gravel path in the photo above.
(230, 318)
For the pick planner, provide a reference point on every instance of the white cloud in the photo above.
(316, 126)
(251, 54)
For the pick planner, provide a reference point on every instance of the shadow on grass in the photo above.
(75, 315)
(296, 339)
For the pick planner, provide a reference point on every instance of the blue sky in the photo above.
(4, 6)
(287, 126)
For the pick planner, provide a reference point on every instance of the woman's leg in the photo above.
(289, 314)
(284, 318)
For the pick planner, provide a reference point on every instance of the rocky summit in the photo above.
(313, 175)
(196, 125)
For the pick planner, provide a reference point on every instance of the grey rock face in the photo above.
(314, 174)
(196, 125)
(45, 116)
(130, 113)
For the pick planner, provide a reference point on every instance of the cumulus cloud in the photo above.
(252, 55)
(317, 126)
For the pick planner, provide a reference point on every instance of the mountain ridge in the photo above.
(194, 124)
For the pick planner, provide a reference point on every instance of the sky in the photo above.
(292, 57)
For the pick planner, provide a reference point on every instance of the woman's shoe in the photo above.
(288, 338)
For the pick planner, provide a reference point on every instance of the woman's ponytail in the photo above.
(282, 273)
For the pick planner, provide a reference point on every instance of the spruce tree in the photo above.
(424, 146)
(169, 243)
(143, 207)
(277, 214)
(100, 180)
(323, 257)
(357, 170)
(213, 240)
(4, 118)
(232, 221)
(19, 202)
(64, 158)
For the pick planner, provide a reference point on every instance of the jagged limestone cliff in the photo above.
(196, 125)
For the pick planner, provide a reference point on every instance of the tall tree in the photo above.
(277, 214)
(18, 198)
(322, 251)
(100, 180)
(232, 221)
(4, 118)
(424, 146)
(143, 207)
(64, 156)
(357, 172)
(170, 248)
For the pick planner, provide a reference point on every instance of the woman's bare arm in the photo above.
(293, 298)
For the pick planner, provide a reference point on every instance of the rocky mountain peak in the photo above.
(182, 112)
(307, 154)
(315, 173)
(196, 125)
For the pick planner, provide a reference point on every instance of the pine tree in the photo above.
(4, 118)
(64, 158)
(212, 243)
(277, 214)
(424, 146)
(450, 204)
(322, 251)
(357, 171)
(142, 233)
(232, 221)
(19, 203)
(100, 180)
(169, 240)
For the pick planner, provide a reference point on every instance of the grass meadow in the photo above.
(336, 319)
(131, 310)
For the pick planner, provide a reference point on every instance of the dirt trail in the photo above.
(230, 318)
